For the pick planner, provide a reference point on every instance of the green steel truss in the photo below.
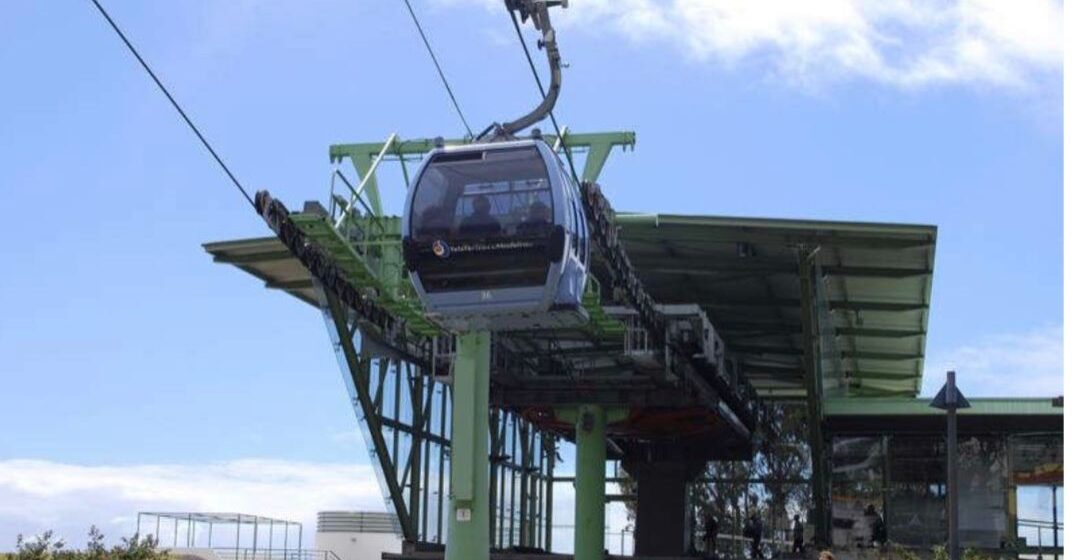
(406, 411)
(406, 416)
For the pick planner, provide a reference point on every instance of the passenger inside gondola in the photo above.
(480, 221)
(436, 221)
(538, 219)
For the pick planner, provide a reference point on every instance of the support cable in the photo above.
(174, 103)
(439, 70)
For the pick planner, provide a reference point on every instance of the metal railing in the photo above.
(356, 193)
(274, 554)
(1047, 531)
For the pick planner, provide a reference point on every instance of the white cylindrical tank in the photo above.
(358, 535)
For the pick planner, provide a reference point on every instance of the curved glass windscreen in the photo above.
(497, 192)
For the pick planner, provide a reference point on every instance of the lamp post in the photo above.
(949, 398)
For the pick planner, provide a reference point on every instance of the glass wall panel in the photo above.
(982, 487)
(857, 489)
(916, 490)
(1037, 473)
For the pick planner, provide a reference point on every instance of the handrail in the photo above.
(356, 193)
(1035, 522)
(247, 553)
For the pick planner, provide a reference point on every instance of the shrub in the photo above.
(900, 552)
(47, 547)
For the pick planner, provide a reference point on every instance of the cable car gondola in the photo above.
(495, 237)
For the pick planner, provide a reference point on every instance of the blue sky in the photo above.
(126, 347)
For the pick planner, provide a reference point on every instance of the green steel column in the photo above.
(590, 424)
(468, 522)
(818, 447)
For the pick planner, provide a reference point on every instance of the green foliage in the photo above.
(899, 552)
(628, 487)
(782, 457)
(939, 552)
(47, 547)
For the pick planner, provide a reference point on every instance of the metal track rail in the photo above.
(737, 404)
(628, 288)
(375, 318)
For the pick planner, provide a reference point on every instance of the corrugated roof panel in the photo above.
(744, 272)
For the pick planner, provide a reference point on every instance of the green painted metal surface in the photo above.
(920, 407)
(362, 155)
(814, 380)
(876, 283)
(590, 429)
(377, 267)
(468, 511)
(600, 324)
(359, 371)
(591, 454)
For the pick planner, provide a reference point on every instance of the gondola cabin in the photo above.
(495, 238)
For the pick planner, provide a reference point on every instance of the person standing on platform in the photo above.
(754, 530)
(712, 530)
(799, 537)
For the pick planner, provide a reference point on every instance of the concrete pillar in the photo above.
(468, 522)
(662, 526)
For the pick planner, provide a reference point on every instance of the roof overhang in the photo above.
(875, 281)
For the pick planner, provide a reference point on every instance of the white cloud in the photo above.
(37, 495)
(1028, 364)
(904, 43)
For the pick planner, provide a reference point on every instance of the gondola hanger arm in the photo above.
(537, 11)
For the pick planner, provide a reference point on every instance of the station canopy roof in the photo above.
(874, 292)
(874, 289)
(268, 259)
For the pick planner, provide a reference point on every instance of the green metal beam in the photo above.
(359, 371)
(654, 264)
(302, 284)
(885, 375)
(594, 161)
(421, 146)
(770, 327)
(851, 305)
(814, 395)
(363, 155)
(647, 227)
(847, 355)
(920, 407)
(878, 333)
(888, 356)
(274, 255)
(864, 391)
